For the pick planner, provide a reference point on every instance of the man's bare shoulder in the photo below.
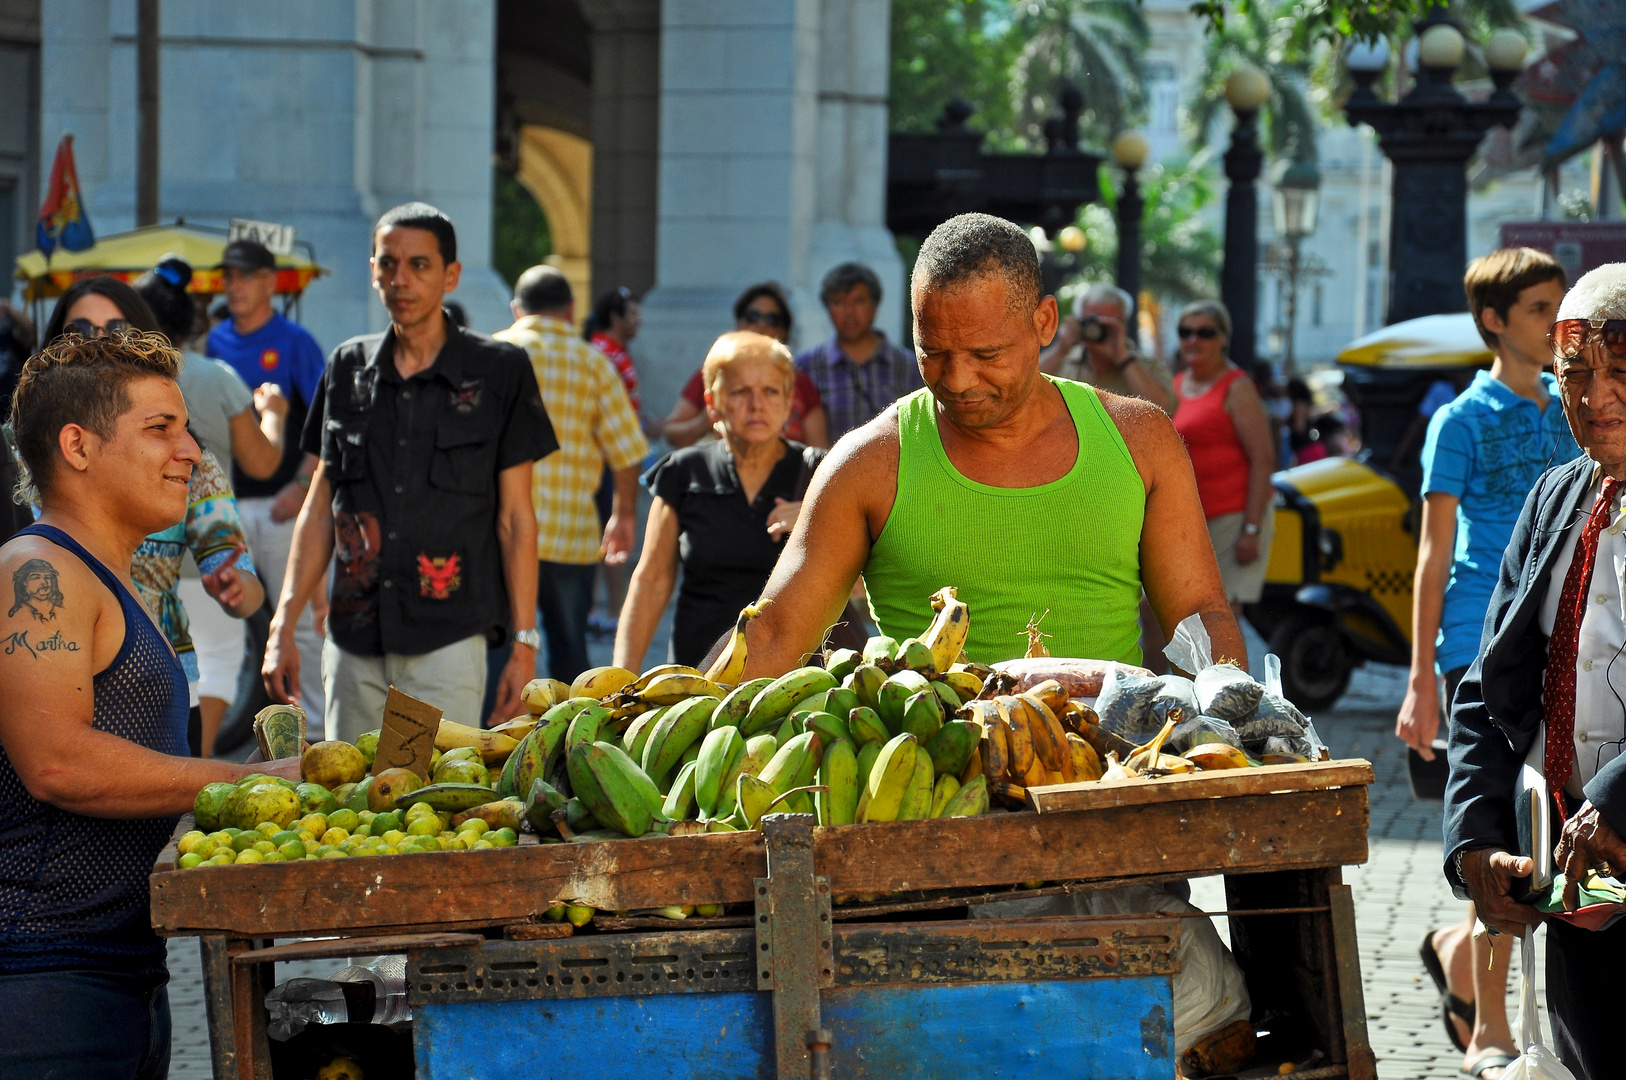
(50, 588)
(1147, 430)
(866, 452)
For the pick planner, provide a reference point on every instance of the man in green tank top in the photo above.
(1027, 493)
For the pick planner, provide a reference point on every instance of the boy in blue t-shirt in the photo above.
(264, 347)
(1483, 455)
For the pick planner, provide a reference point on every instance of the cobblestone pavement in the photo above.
(1399, 895)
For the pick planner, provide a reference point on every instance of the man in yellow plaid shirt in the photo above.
(594, 423)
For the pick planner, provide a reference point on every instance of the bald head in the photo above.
(542, 290)
(974, 246)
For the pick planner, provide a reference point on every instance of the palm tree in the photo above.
(1270, 37)
(1180, 253)
(1096, 45)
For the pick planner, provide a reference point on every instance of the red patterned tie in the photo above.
(1563, 648)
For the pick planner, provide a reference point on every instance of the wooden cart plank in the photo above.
(1265, 780)
(333, 948)
(1362, 1060)
(1240, 834)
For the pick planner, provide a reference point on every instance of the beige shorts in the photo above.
(1243, 584)
(452, 678)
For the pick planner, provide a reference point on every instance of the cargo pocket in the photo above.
(463, 461)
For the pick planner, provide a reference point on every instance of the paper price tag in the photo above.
(406, 739)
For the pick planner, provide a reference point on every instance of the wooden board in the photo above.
(1239, 834)
(335, 948)
(1223, 783)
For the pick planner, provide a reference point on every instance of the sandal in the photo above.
(1450, 1004)
(1491, 1059)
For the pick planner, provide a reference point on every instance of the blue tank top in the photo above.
(74, 889)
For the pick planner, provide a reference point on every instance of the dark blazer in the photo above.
(1497, 708)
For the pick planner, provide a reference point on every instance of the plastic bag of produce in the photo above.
(1125, 705)
(1209, 990)
(1082, 678)
(1175, 701)
(1201, 729)
(1227, 692)
(1537, 1062)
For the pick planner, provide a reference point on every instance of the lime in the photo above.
(223, 858)
(311, 846)
(335, 836)
(456, 843)
(322, 852)
(292, 849)
(284, 836)
(418, 810)
(205, 848)
(221, 836)
(504, 837)
(389, 849)
(476, 825)
(264, 847)
(393, 836)
(383, 823)
(335, 853)
(429, 843)
(189, 860)
(306, 834)
(364, 829)
(343, 819)
(315, 824)
(275, 856)
(482, 844)
(249, 856)
(425, 825)
(245, 840)
(268, 828)
(189, 841)
(366, 816)
(231, 830)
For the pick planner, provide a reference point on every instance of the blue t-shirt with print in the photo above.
(280, 352)
(1487, 448)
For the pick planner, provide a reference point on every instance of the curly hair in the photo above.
(83, 381)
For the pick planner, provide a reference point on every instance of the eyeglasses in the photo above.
(1571, 336)
(752, 317)
(87, 329)
(1204, 332)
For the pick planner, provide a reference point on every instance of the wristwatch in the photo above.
(1250, 529)
(533, 638)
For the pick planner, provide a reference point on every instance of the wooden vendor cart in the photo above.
(906, 986)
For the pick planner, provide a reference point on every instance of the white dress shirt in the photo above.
(1600, 667)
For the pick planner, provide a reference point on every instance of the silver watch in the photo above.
(1250, 529)
(533, 638)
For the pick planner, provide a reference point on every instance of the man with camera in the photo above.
(1100, 324)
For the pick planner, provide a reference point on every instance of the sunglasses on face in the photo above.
(1204, 332)
(763, 318)
(87, 329)
(1570, 337)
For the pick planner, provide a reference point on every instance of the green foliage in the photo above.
(943, 49)
(1097, 45)
(1271, 36)
(1180, 253)
(520, 238)
(1323, 20)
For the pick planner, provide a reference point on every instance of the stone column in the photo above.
(626, 140)
(738, 142)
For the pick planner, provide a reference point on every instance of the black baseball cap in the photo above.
(247, 255)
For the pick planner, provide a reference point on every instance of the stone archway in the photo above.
(556, 167)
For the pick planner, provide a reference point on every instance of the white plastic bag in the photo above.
(1189, 648)
(1537, 1062)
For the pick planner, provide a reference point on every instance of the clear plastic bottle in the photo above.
(359, 993)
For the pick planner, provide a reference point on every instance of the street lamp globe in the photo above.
(1368, 56)
(1441, 47)
(1296, 198)
(1130, 150)
(1071, 239)
(1505, 50)
(1246, 88)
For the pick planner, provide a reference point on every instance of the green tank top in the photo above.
(1071, 546)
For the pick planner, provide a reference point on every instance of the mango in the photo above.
(332, 763)
(263, 802)
(391, 784)
(207, 807)
(315, 799)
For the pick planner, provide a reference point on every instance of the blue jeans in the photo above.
(85, 1025)
(564, 595)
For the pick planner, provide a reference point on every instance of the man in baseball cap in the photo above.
(265, 347)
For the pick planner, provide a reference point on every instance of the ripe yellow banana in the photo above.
(1052, 693)
(1049, 740)
(600, 682)
(1020, 735)
(672, 688)
(947, 634)
(995, 747)
(1086, 762)
(656, 672)
(538, 696)
(963, 683)
(1216, 755)
(493, 745)
(730, 666)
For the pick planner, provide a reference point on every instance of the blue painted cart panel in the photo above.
(1103, 1029)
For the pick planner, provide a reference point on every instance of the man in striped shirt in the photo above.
(858, 372)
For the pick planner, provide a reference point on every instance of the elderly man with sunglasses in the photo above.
(1548, 688)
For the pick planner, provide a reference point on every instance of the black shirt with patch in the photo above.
(413, 465)
(724, 544)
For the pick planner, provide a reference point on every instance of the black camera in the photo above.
(1092, 329)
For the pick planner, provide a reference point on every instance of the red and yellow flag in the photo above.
(62, 215)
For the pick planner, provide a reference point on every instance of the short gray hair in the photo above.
(1104, 293)
(971, 245)
(1599, 294)
(1211, 309)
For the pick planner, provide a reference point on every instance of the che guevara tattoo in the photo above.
(35, 587)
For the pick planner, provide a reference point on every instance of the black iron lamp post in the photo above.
(1246, 91)
(1130, 151)
(1295, 201)
(1429, 135)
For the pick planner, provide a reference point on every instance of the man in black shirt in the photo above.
(426, 435)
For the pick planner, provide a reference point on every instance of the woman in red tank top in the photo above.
(1227, 432)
